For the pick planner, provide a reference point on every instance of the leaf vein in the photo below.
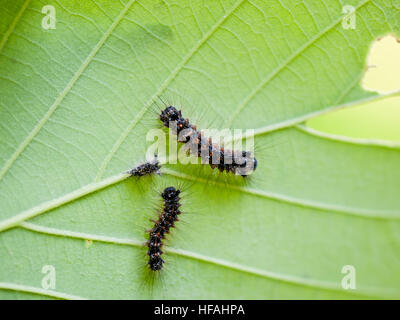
(281, 67)
(162, 88)
(299, 281)
(38, 291)
(12, 25)
(59, 99)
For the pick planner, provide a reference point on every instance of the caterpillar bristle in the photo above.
(162, 226)
(238, 162)
(147, 168)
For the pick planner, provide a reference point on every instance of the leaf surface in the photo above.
(75, 109)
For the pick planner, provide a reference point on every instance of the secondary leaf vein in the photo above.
(62, 95)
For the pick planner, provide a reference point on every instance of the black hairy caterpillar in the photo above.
(162, 226)
(146, 168)
(238, 162)
(154, 277)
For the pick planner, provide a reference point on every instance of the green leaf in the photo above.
(75, 109)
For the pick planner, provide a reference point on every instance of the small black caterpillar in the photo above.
(146, 168)
(165, 222)
(237, 162)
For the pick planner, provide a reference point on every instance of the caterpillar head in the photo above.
(170, 114)
(248, 164)
(170, 193)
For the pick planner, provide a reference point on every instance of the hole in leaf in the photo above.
(378, 119)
